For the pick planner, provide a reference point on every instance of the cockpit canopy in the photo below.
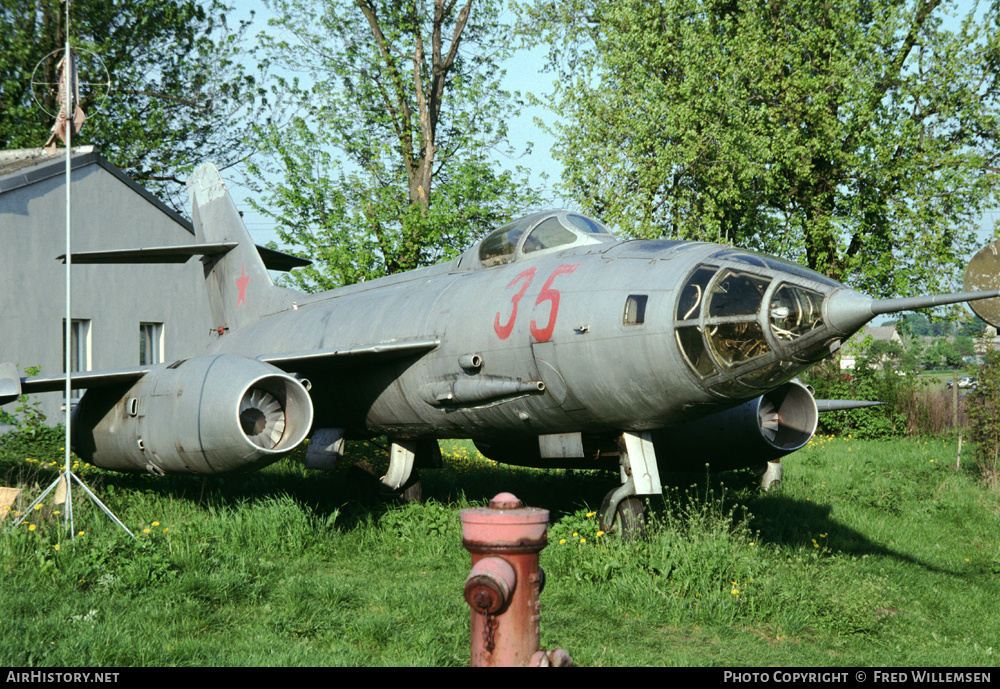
(540, 233)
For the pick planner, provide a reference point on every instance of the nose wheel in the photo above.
(626, 519)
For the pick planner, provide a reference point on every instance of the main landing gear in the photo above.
(401, 480)
(623, 508)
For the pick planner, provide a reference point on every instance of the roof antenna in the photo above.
(69, 99)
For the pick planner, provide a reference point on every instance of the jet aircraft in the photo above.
(549, 342)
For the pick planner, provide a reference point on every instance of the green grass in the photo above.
(873, 553)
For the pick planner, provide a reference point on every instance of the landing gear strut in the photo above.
(402, 478)
(622, 510)
(770, 476)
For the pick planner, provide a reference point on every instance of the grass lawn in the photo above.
(872, 554)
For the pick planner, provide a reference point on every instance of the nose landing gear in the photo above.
(623, 509)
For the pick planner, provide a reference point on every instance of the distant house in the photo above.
(122, 315)
(849, 352)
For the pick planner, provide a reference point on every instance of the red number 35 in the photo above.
(546, 294)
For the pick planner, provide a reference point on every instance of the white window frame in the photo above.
(83, 359)
(150, 343)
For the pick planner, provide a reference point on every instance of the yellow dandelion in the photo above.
(57, 546)
(600, 533)
(31, 527)
(590, 514)
(81, 533)
(166, 529)
(156, 523)
(38, 506)
(583, 540)
(562, 541)
(145, 530)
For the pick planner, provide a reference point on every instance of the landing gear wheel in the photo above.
(628, 521)
(413, 490)
(363, 482)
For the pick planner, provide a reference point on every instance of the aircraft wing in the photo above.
(11, 387)
(83, 379)
(294, 361)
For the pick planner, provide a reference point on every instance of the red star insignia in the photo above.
(241, 285)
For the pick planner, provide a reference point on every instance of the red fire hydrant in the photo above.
(503, 587)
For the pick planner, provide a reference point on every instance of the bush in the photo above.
(983, 409)
(865, 382)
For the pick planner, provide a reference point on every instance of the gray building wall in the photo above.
(109, 211)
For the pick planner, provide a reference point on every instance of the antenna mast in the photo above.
(69, 95)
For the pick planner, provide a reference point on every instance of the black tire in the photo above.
(628, 521)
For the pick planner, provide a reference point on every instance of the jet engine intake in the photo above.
(210, 415)
(763, 429)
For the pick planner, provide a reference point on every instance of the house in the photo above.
(885, 333)
(122, 315)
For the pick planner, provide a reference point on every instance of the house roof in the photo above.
(24, 166)
(882, 332)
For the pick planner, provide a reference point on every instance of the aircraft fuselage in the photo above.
(591, 339)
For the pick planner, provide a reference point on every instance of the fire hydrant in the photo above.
(502, 589)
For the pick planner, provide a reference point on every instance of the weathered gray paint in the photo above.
(109, 211)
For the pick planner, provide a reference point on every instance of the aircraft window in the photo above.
(742, 257)
(773, 263)
(693, 347)
(732, 388)
(799, 271)
(498, 247)
(586, 224)
(691, 295)
(795, 311)
(736, 294)
(736, 343)
(550, 233)
(635, 309)
(771, 375)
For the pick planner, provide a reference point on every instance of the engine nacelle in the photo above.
(210, 415)
(763, 429)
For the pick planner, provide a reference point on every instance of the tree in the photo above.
(860, 138)
(178, 95)
(387, 165)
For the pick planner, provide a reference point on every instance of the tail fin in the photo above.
(240, 291)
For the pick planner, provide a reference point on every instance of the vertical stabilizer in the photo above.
(240, 291)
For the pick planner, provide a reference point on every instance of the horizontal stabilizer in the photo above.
(840, 405)
(10, 383)
(295, 361)
(273, 260)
